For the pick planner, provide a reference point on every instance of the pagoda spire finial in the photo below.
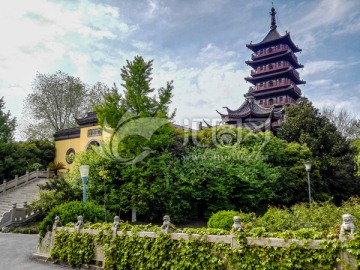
(273, 19)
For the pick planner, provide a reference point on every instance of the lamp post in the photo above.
(84, 172)
(308, 170)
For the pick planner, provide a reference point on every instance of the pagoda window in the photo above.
(280, 99)
(279, 63)
(271, 101)
(261, 84)
(270, 49)
(261, 67)
(271, 83)
(271, 66)
(261, 102)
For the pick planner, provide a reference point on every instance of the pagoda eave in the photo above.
(285, 39)
(288, 73)
(286, 56)
(268, 93)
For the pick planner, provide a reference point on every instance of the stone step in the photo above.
(24, 193)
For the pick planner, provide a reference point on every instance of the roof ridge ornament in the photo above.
(273, 19)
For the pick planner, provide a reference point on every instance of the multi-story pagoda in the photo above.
(275, 81)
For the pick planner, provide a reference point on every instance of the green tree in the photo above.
(331, 151)
(18, 157)
(137, 114)
(136, 76)
(56, 101)
(7, 124)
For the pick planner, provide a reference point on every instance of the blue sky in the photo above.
(198, 44)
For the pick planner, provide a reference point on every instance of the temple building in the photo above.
(275, 82)
(70, 141)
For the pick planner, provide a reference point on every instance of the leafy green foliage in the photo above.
(134, 252)
(74, 248)
(55, 192)
(193, 182)
(131, 118)
(7, 124)
(225, 219)
(56, 166)
(332, 153)
(18, 157)
(222, 219)
(68, 212)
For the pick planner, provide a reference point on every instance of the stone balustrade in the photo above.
(347, 260)
(17, 215)
(21, 180)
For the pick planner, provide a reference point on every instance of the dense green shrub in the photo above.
(68, 212)
(321, 216)
(222, 219)
(18, 157)
(55, 192)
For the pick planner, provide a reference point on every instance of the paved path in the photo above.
(16, 252)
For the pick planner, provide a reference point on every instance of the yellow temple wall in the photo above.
(78, 144)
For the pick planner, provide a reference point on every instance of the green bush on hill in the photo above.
(68, 212)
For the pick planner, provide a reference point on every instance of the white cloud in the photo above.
(320, 83)
(212, 53)
(325, 13)
(314, 67)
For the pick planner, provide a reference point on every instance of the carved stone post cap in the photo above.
(14, 205)
(237, 218)
(57, 219)
(116, 219)
(166, 218)
(237, 224)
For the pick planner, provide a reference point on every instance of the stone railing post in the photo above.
(48, 173)
(4, 186)
(16, 180)
(347, 231)
(37, 173)
(166, 227)
(13, 212)
(56, 222)
(79, 224)
(27, 176)
(115, 225)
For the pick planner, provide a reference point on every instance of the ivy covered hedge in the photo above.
(134, 252)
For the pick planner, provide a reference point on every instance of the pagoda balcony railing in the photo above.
(270, 51)
(285, 101)
(270, 67)
(275, 84)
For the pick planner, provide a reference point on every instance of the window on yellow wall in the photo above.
(91, 144)
(70, 156)
(94, 132)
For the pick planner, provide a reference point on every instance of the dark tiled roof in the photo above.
(89, 120)
(249, 107)
(65, 134)
(276, 91)
(272, 35)
(287, 73)
(273, 38)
